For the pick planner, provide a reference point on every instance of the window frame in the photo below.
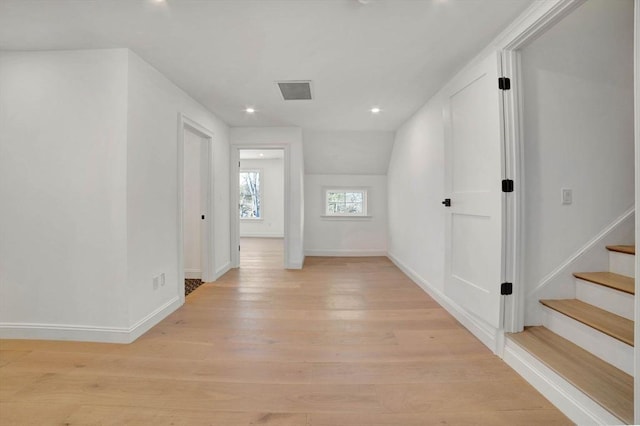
(260, 192)
(365, 202)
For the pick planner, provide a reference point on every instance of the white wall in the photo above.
(291, 137)
(194, 150)
(416, 179)
(272, 199)
(63, 192)
(578, 134)
(88, 183)
(347, 152)
(154, 105)
(338, 236)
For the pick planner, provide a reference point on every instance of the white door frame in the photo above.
(530, 27)
(636, 47)
(522, 33)
(234, 169)
(207, 244)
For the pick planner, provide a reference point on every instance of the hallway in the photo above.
(345, 341)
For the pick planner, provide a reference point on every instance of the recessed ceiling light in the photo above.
(249, 110)
(375, 110)
(261, 155)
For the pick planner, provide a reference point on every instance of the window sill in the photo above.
(251, 219)
(331, 217)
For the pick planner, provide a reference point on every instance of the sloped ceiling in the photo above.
(347, 152)
(228, 54)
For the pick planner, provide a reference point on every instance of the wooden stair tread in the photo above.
(608, 386)
(611, 324)
(609, 279)
(623, 249)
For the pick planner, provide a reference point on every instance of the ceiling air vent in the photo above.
(295, 90)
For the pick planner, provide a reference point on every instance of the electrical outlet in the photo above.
(156, 281)
(162, 279)
(567, 196)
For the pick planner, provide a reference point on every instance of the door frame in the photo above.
(234, 169)
(523, 32)
(207, 244)
(528, 28)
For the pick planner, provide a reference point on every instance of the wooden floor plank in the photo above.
(610, 387)
(610, 324)
(344, 341)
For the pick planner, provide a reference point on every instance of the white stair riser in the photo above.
(606, 298)
(622, 263)
(607, 348)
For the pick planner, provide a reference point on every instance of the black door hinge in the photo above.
(238, 164)
(238, 248)
(202, 217)
(504, 83)
(506, 289)
(507, 185)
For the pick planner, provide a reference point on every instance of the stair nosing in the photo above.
(588, 276)
(593, 324)
(622, 249)
(568, 377)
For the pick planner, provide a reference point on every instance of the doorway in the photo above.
(261, 208)
(194, 205)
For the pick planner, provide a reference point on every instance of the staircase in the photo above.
(588, 341)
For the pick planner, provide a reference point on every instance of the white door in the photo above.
(473, 155)
(195, 199)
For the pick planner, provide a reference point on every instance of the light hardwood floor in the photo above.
(346, 341)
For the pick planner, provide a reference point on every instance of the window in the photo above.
(346, 202)
(250, 202)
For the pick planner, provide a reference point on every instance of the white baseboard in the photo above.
(484, 332)
(572, 402)
(88, 333)
(222, 270)
(193, 274)
(261, 235)
(345, 252)
(146, 323)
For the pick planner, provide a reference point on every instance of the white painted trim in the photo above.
(567, 398)
(234, 190)
(527, 27)
(595, 242)
(296, 265)
(208, 248)
(636, 64)
(345, 217)
(261, 235)
(222, 270)
(146, 323)
(192, 274)
(88, 333)
(484, 332)
(345, 253)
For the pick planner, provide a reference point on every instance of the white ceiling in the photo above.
(228, 53)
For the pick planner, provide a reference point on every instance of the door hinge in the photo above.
(506, 289)
(238, 247)
(507, 185)
(238, 164)
(504, 83)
